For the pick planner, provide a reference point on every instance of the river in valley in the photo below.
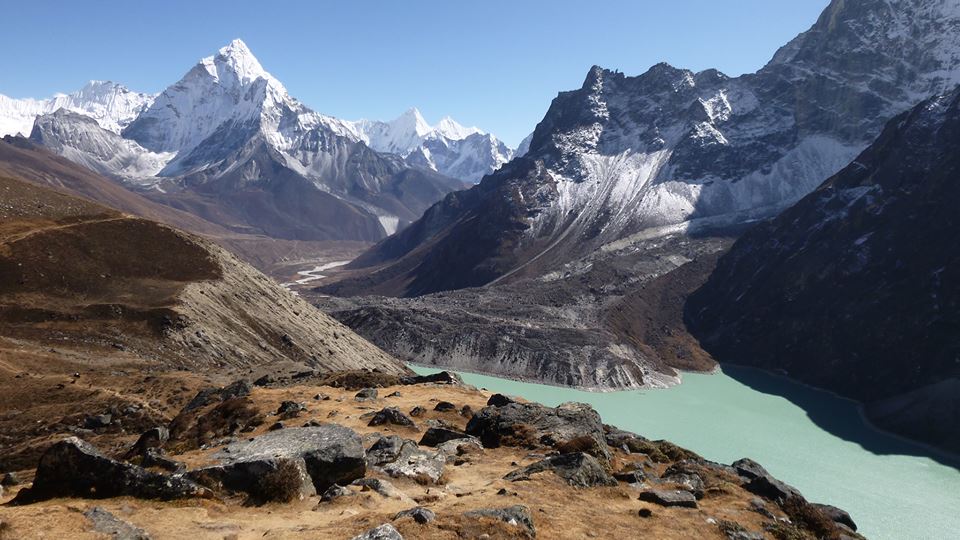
(825, 449)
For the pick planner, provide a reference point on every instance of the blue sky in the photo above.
(495, 64)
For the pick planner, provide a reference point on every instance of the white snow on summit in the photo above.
(112, 105)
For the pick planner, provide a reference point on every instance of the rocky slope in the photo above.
(422, 457)
(86, 280)
(281, 259)
(853, 288)
(609, 321)
(230, 145)
(623, 154)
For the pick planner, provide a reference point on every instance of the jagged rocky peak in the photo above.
(235, 63)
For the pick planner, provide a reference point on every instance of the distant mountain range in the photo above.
(229, 144)
(670, 149)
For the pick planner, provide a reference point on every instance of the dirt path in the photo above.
(24, 235)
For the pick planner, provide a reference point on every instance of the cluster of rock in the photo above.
(335, 462)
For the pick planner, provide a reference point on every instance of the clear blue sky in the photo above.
(494, 63)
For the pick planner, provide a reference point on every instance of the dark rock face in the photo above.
(665, 497)
(367, 394)
(445, 406)
(325, 455)
(499, 400)
(516, 423)
(74, 468)
(517, 515)
(335, 492)
(436, 436)
(390, 415)
(837, 515)
(152, 438)
(579, 469)
(851, 288)
(747, 145)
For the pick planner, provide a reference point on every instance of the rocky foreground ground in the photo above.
(375, 456)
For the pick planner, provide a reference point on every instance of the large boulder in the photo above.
(325, 455)
(74, 468)
(837, 515)
(760, 482)
(423, 466)
(520, 424)
(578, 469)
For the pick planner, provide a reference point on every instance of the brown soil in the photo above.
(559, 511)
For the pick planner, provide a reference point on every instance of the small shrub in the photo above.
(520, 435)
(810, 517)
(282, 484)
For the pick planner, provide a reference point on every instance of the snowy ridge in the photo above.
(112, 105)
(467, 153)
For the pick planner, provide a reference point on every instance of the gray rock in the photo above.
(458, 447)
(335, 492)
(390, 415)
(444, 377)
(837, 515)
(106, 523)
(381, 487)
(10, 479)
(388, 449)
(420, 465)
(549, 425)
(499, 400)
(436, 436)
(154, 457)
(383, 532)
(97, 421)
(445, 406)
(328, 454)
(516, 515)
(760, 482)
(290, 409)
(74, 468)
(578, 469)
(367, 394)
(749, 469)
(207, 396)
(684, 474)
(417, 411)
(154, 437)
(419, 514)
(669, 497)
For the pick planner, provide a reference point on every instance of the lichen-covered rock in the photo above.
(419, 514)
(390, 415)
(578, 469)
(329, 454)
(513, 422)
(669, 497)
(74, 468)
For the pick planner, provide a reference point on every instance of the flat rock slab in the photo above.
(106, 523)
(665, 497)
(328, 454)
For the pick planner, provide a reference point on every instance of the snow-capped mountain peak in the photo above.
(235, 64)
(230, 86)
(449, 128)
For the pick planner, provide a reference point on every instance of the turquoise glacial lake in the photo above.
(808, 438)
